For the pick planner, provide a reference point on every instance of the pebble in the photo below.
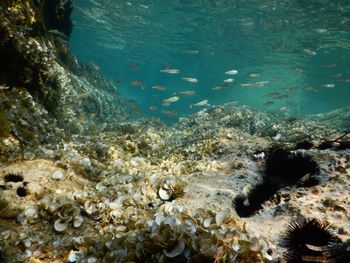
(86, 162)
(29, 156)
(58, 175)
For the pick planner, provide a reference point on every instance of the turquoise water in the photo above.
(292, 57)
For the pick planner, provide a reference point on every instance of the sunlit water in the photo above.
(291, 56)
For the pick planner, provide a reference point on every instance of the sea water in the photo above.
(291, 57)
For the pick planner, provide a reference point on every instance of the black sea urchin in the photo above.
(13, 177)
(306, 240)
(339, 253)
(288, 167)
(304, 144)
(22, 191)
(248, 205)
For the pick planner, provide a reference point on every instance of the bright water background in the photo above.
(299, 46)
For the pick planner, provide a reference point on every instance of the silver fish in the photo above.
(198, 104)
(170, 71)
(192, 80)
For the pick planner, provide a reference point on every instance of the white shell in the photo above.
(58, 175)
(239, 249)
(176, 251)
(159, 218)
(207, 222)
(73, 256)
(78, 221)
(222, 217)
(164, 194)
(100, 187)
(31, 212)
(255, 246)
(60, 225)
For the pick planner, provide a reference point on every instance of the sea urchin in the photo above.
(288, 167)
(13, 177)
(306, 240)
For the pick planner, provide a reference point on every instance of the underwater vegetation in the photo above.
(4, 125)
(283, 167)
(307, 240)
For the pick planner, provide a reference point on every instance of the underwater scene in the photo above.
(174, 131)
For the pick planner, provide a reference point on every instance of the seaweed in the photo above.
(5, 126)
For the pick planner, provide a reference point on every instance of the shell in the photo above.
(221, 217)
(207, 222)
(254, 246)
(60, 225)
(78, 221)
(31, 212)
(177, 250)
(165, 195)
(57, 175)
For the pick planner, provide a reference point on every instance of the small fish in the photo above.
(137, 110)
(310, 52)
(291, 90)
(311, 88)
(83, 95)
(299, 70)
(93, 115)
(170, 71)
(118, 81)
(131, 101)
(329, 86)
(192, 51)
(268, 103)
(192, 80)
(259, 84)
(329, 65)
(133, 67)
(230, 104)
(166, 102)
(169, 112)
(230, 80)
(284, 108)
(144, 6)
(217, 88)
(254, 75)
(281, 97)
(272, 94)
(153, 108)
(198, 104)
(321, 30)
(231, 72)
(94, 65)
(159, 87)
(138, 84)
(186, 92)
